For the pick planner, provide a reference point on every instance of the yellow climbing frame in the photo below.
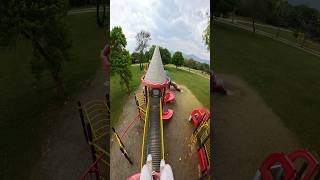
(145, 129)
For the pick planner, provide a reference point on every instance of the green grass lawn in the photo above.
(22, 103)
(282, 33)
(286, 78)
(198, 85)
(285, 35)
(119, 94)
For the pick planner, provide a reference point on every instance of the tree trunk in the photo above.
(125, 82)
(232, 16)
(59, 84)
(56, 76)
(141, 57)
(253, 25)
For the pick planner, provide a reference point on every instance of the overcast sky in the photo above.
(174, 24)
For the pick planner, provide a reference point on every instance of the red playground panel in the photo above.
(169, 96)
(203, 160)
(167, 115)
(198, 115)
(283, 164)
(312, 163)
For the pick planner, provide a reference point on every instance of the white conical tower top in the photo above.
(155, 73)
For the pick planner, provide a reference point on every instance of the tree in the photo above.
(226, 6)
(135, 57)
(119, 57)
(43, 24)
(206, 35)
(149, 53)
(177, 59)
(101, 17)
(142, 38)
(254, 9)
(189, 63)
(165, 55)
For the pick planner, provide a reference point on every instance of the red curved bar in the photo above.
(169, 96)
(313, 164)
(271, 160)
(167, 115)
(161, 85)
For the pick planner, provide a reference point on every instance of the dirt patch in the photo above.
(65, 154)
(178, 152)
(246, 131)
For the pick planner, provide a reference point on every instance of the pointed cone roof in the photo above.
(155, 76)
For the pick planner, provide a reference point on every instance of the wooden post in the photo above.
(82, 121)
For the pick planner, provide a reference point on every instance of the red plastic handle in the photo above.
(194, 113)
(200, 113)
(313, 164)
(271, 160)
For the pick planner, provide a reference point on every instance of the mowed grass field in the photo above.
(286, 78)
(288, 35)
(119, 93)
(25, 103)
(199, 86)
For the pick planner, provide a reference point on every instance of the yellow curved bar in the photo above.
(144, 132)
(161, 126)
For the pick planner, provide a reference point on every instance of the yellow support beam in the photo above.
(161, 126)
(144, 133)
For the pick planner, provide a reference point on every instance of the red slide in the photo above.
(175, 86)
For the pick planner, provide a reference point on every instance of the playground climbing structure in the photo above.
(155, 83)
(95, 117)
(201, 139)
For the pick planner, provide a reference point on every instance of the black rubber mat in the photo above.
(153, 144)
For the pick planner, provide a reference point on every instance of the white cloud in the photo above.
(175, 24)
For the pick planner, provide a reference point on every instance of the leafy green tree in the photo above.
(226, 6)
(188, 63)
(165, 55)
(119, 57)
(135, 57)
(177, 59)
(149, 53)
(206, 36)
(143, 37)
(43, 24)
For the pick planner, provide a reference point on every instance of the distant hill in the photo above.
(189, 56)
(194, 57)
(311, 3)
